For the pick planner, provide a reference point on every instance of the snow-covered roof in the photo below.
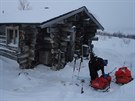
(71, 13)
(46, 12)
(9, 12)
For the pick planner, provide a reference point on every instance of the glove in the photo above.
(105, 75)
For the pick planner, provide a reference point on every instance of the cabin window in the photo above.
(12, 36)
(2, 35)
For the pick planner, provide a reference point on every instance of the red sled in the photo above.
(123, 75)
(101, 82)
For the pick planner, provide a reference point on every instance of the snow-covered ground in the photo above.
(43, 84)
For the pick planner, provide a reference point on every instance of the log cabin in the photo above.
(52, 42)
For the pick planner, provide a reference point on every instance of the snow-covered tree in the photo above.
(24, 5)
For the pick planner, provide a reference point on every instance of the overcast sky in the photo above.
(114, 15)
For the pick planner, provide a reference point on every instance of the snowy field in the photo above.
(43, 84)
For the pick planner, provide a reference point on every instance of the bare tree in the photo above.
(24, 5)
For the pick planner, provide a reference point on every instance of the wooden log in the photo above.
(2, 36)
(24, 61)
(73, 18)
(63, 44)
(52, 30)
(94, 38)
(48, 40)
(24, 55)
(47, 45)
(8, 54)
(71, 30)
(2, 41)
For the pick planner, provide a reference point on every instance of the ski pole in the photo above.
(74, 67)
(80, 66)
(74, 64)
(82, 81)
(112, 70)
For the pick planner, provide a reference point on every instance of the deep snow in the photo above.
(43, 84)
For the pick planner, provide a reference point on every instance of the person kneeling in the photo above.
(96, 64)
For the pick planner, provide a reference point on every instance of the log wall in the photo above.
(53, 45)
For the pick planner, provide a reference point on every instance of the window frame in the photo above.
(15, 30)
